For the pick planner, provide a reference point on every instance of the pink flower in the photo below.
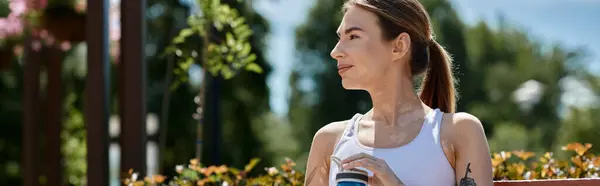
(36, 45)
(10, 26)
(18, 7)
(64, 46)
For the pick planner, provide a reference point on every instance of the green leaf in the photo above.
(250, 59)
(241, 29)
(237, 66)
(238, 46)
(227, 72)
(251, 165)
(234, 171)
(196, 21)
(169, 50)
(218, 25)
(190, 174)
(177, 71)
(245, 50)
(253, 67)
(185, 65)
(174, 86)
(214, 69)
(186, 32)
(183, 34)
(184, 79)
(230, 39)
(224, 49)
(237, 22)
(229, 58)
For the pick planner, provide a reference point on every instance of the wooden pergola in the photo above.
(131, 95)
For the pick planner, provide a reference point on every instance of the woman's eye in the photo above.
(353, 37)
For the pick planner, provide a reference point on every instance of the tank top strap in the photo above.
(351, 126)
(348, 133)
(436, 123)
(437, 119)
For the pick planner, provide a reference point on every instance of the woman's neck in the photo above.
(395, 101)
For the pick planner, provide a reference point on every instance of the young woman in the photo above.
(407, 138)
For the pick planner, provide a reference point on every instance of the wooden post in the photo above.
(53, 117)
(132, 86)
(31, 125)
(97, 102)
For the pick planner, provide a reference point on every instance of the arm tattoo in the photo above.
(466, 181)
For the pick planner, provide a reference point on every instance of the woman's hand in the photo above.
(382, 174)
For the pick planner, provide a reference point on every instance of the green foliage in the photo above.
(514, 165)
(581, 124)
(224, 56)
(74, 146)
(4, 9)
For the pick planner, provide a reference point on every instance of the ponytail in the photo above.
(437, 87)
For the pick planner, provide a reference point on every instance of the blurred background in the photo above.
(529, 70)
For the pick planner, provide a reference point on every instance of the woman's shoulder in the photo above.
(456, 130)
(460, 127)
(331, 132)
(461, 122)
(327, 136)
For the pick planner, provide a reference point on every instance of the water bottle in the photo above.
(352, 177)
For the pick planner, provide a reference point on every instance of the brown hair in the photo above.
(429, 57)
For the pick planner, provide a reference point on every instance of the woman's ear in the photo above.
(401, 46)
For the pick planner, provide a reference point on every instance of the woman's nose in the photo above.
(336, 53)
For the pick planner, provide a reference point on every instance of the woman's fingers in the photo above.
(366, 163)
(357, 156)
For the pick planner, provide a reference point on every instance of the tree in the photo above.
(230, 48)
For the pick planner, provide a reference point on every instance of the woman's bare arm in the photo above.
(473, 161)
(317, 169)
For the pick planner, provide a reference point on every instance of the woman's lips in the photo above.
(343, 68)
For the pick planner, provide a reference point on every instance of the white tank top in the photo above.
(421, 162)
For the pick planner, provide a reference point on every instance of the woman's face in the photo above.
(363, 56)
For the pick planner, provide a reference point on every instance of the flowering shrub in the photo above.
(195, 174)
(515, 165)
(581, 165)
(49, 22)
(11, 25)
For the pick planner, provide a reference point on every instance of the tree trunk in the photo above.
(201, 100)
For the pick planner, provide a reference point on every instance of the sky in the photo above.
(573, 23)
